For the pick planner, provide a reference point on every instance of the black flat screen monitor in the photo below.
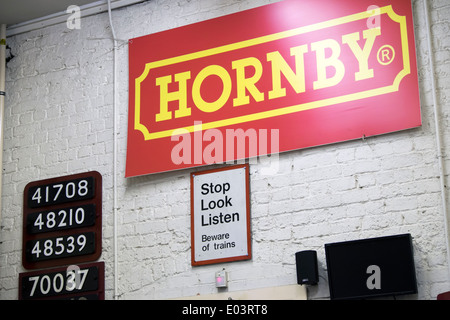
(372, 267)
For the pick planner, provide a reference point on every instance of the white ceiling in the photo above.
(17, 11)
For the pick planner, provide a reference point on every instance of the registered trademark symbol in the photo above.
(386, 54)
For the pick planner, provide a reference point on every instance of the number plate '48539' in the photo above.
(62, 220)
(60, 247)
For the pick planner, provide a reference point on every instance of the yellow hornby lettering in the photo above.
(362, 55)
(279, 65)
(247, 84)
(327, 54)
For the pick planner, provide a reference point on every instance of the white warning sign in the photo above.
(220, 215)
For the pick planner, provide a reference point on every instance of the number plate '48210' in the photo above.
(62, 220)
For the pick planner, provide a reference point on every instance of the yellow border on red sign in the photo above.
(264, 39)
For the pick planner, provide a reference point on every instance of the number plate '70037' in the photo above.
(71, 282)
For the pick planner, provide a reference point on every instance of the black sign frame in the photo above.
(60, 208)
(84, 281)
(371, 267)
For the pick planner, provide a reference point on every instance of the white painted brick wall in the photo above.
(59, 120)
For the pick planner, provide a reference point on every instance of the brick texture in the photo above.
(59, 121)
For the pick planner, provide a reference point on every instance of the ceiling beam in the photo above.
(85, 10)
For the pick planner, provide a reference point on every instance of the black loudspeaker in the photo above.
(307, 271)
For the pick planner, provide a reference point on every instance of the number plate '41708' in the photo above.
(62, 220)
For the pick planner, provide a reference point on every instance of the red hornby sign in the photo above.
(281, 77)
